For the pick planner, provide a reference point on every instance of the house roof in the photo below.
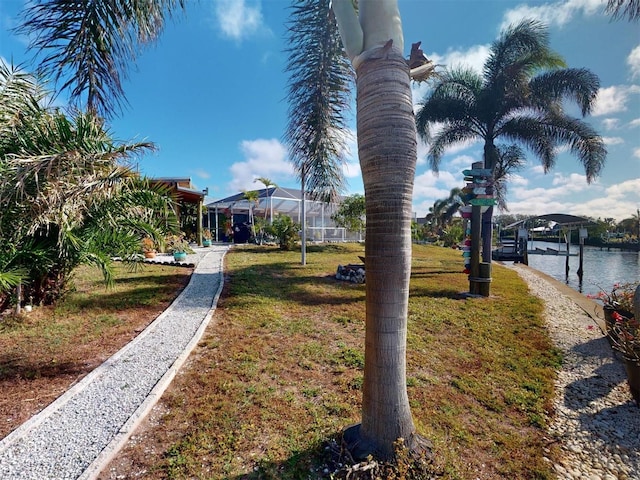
(282, 200)
(183, 188)
(562, 219)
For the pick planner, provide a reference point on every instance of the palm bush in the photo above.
(285, 230)
(70, 193)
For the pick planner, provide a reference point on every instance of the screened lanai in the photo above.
(236, 210)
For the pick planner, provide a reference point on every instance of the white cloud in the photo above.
(462, 162)
(600, 206)
(562, 186)
(625, 189)
(571, 194)
(435, 186)
(552, 14)
(613, 99)
(634, 123)
(474, 57)
(633, 60)
(612, 140)
(263, 158)
(238, 20)
(351, 169)
(518, 180)
(611, 123)
(604, 207)
(574, 182)
(636, 152)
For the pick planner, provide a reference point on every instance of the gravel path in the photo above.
(596, 421)
(80, 431)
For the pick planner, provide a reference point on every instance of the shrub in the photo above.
(285, 230)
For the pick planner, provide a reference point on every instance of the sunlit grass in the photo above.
(280, 371)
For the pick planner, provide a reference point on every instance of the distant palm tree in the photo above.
(451, 205)
(267, 182)
(510, 158)
(90, 44)
(518, 97)
(253, 197)
(318, 95)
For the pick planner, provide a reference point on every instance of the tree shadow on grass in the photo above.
(153, 279)
(307, 290)
(14, 367)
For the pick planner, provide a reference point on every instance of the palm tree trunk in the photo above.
(387, 151)
(490, 162)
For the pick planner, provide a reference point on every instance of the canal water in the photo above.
(602, 268)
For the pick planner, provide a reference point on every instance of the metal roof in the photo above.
(562, 219)
(281, 200)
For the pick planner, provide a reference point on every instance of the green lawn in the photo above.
(279, 372)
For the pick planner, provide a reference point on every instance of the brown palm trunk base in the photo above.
(358, 449)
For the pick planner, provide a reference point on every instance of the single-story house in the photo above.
(238, 211)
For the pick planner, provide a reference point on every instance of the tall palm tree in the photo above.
(253, 198)
(91, 43)
(318, 93)
(374, 43)
(518, 97)
(387, 149)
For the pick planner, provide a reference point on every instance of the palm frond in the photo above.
(534, 134)
(624, 8)
(91, 43)
(578, 84)
(454, 97)
(20, 94)
(582, 139)
(451, 134)
(523, 47)
(318, 94)
(510, 159)
(57, 166)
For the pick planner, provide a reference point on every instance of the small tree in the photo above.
(351, 213)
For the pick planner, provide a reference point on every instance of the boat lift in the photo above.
(518, 250)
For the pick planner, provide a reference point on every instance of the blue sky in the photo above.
(211, 94)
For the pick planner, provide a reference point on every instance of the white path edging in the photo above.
(140, 414)
(41, 448)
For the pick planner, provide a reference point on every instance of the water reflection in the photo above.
(601, 268)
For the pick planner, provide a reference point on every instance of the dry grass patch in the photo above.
(279, 373)
(44, 352)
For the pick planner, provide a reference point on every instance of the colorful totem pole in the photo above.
(478, 196)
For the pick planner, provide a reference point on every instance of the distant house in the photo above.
(272, 201)
(185, 193)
